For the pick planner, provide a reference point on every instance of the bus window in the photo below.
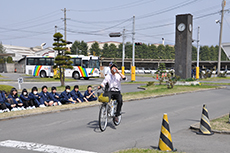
(94, 64)
(72, 59)
(30, 61)
(36, 61)
(85, 64)
(52, 61)
(77, 62)
(48, 60)
(42, 61)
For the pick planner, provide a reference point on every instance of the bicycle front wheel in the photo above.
(118, 121)
(103, 118)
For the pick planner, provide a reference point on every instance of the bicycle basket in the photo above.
(103, 98)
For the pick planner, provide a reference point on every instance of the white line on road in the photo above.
(39, 147)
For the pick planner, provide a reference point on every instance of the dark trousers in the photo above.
(28, 103)
(117, 96)
(3, 106)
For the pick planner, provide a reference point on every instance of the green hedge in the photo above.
(7, 88)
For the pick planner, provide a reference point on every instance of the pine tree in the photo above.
(62, 60)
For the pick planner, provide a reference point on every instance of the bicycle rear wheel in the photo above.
(103, 118)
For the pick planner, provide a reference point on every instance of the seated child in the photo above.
(65, 96)
(77, 95)
(36, 98)
(56, 96)
(3, 107)
(89, 94)
(14, 95)
(47, 98)
(28, 104)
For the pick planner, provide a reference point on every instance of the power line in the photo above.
(42, 17)
(119, 7)
(167, 9)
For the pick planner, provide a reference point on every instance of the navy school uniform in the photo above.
(2, 101)
(35, 98)
(5, 100)
(26, 101)
(64, 97)
(91, 98)
(76, 95)
(54, 96)
(46, 96)
(14, 97)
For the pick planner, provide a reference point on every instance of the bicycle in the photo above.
(107, 111)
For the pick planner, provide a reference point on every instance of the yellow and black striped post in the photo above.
(165, 141)
(205, 127)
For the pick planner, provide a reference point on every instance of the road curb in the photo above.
(196, 126)
(79, 107)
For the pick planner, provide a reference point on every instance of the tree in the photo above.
(62, 60)
(105, 50)
(2, 50)
(79, 48)
(75, 48)
(128, 50)
(9, 59)
(112, 51)
(161, 52)
(84, 48)
(153, 51)
(95, 50)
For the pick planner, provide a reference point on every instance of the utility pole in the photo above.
(123, 52)
(220, 38)
(198, 52)
(133, 60)
(64, 19)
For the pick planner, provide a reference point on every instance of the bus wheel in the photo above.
(87, 78)
(76, 75)
(42, 74)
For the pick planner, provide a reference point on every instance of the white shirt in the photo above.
(107, 71)
(114, 82)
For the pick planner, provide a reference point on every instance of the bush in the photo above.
(6, 88)
(151, 83)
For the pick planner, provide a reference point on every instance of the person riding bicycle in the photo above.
(114, 82)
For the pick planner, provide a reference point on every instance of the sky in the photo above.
(30, 23)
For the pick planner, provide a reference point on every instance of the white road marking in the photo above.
(39, 147)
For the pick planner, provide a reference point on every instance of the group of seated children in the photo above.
(43, 99)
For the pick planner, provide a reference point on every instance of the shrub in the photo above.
(151, 83)
(6, 88)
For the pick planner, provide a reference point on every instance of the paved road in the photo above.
(140, 127)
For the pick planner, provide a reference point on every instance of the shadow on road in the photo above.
(95, 126)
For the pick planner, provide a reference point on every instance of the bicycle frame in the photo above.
(107, 111)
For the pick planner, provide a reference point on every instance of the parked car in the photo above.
(147, 70)
(153, 71)
(127, 70)
(139, 70)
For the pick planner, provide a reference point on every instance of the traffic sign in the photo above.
(20, 80)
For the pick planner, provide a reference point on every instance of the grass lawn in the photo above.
(221, 124)
(141, 75)
(158, 90)
(38, 79)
